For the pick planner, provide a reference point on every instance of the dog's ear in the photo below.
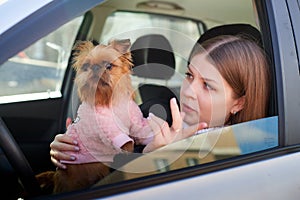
(121, 46)
(81, 50)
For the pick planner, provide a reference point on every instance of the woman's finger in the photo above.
(58, 146)
(160, 124)
(61, 156)
(63, 142)
(155, 126)
(176, 115)
(65, 139)
(157, 140)
(191, 130)
(58, 164)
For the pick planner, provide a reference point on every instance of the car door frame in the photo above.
(287, 71)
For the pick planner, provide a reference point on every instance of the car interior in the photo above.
(153, 58)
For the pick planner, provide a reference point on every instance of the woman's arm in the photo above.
(163, 134)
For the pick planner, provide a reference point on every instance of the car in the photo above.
(258, 159)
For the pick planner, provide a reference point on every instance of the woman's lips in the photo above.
(186, 108)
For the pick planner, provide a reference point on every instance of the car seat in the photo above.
(244, 30)
(153, 58)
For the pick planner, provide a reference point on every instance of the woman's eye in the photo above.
(208, 86)
(189, 76)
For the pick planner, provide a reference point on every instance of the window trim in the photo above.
(294, 10)
(283, 52)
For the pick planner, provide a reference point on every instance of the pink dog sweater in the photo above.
(102, 131)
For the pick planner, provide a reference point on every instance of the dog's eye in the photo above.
(108, 66)
(85, 66)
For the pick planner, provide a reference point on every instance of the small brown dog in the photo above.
(108, 121)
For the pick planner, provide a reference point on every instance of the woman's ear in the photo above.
(238, 105)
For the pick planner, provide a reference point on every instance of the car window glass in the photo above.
(37, 72)
(211, 146)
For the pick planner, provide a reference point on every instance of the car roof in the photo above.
(15, 11)
(204, 10)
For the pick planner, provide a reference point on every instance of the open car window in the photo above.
(232, 141)
(223, 143)
(38, 71)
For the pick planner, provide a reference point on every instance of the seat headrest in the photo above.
(153, 57)
(245, 30)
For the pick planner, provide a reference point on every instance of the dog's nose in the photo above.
(95, 68)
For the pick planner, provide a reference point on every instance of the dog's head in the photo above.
(102, 71)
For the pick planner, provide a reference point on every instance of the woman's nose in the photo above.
(190, 90)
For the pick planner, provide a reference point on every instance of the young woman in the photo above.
(227, 82)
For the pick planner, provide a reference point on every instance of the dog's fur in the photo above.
(103, 79)
(99, 89)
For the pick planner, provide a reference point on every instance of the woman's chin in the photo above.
(190, 120)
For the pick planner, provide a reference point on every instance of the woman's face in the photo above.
(205, 96)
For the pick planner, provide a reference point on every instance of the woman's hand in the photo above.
(61, 143)
(163, 134)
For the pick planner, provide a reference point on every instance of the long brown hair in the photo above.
(242, 63)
